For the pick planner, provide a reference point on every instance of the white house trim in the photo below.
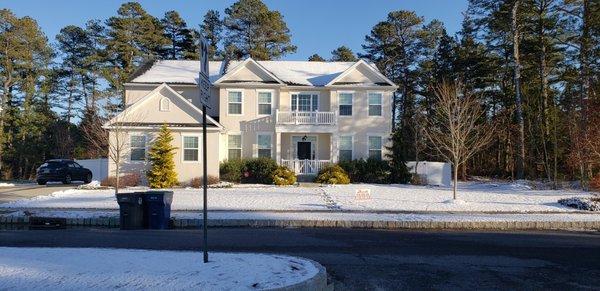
(354, 66)
(199, 148)
(132, 107)
(243, 65)
(242, 101)
(257, 91)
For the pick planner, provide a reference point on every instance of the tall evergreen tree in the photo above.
(212, 27)
(343, 54)
(316, 58)
(162, 172)
(252, 30)
(133, 36)
(181, 41)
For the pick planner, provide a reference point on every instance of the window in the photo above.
(265, 101)
(345, 104)
(345, 148)
(375, 145)
(375, 104)
(235, 102)
(164, 104)
(190, 148)
(305, 102)
(234, 146)
(138, 147)
(264, 145)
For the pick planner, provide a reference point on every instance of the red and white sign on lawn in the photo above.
(362, 195)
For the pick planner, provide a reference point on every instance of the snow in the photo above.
(330, 216)
(475, 197)
(90, 186)
(178, 71)
(263, 198)
(6, 185)
(293, 72)
(109, 269)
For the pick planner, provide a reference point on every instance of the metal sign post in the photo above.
(204, 86)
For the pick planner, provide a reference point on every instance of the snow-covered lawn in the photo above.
(6, 185)
(109, 269)
(474, 196)
(263, 198)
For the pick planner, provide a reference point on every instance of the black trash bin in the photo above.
(131, 210)
(157, 209)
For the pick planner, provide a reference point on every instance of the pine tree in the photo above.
(252, 30)
(343, 54)
(162, 172)
(316, 58)
(212, 27)
(133, 37)
(181, 41)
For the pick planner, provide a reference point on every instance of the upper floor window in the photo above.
(345, 104)
(138, 147)
(305, 102)
(264, 144)
(375, 103)
(234, 105)
(345, 148)
(375, 147)
(164, 104)
(265, 102)
(234, 146)
(190, 148)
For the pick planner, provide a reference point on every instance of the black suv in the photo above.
(64, 171)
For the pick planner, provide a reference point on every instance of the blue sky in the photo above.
(317, 26)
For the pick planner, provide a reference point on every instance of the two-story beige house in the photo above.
(302, 114)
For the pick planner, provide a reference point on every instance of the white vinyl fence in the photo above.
(99, 168)
(435, 173)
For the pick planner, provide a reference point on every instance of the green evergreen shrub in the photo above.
(284, 176)
(374, 171)
(258, 170)
(332, 174)
(231, 170)
(162, 172)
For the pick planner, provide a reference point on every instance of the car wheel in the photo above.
(88, 178)
(41, 182)
(67, 179)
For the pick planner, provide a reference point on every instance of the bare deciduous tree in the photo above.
(115, 136)
(458, 128)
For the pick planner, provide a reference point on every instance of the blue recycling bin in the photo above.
(157, 206)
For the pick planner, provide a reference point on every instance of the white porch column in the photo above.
(278, 147)
(335, 147)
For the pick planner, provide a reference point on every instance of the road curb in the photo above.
(507, 224)
(318, 282)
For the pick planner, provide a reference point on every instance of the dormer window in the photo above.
(164, 104)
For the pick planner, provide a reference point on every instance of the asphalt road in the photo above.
(24, 191)
(378, 259)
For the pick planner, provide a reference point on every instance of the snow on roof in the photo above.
(292, 72)
(177, 71)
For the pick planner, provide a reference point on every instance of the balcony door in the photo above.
(305, 102)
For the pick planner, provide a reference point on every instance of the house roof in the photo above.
(299, 73)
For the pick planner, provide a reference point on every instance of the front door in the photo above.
(304, 150)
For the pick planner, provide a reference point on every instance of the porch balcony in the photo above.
(305, 167)
(305, 117)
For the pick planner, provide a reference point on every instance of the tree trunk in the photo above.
(455, 181)
(518, 100)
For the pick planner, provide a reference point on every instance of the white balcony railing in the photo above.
(308, 117)
(305, 167)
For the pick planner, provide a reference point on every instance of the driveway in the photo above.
(24, 191)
